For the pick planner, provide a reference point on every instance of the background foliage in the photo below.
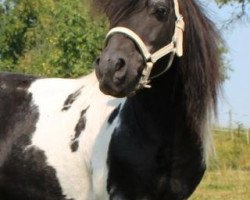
(49, 37)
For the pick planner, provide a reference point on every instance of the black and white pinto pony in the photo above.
(63, 139)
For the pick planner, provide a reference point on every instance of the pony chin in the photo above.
(118, 92)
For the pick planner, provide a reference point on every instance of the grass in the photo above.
(228, 178)
(224, 185)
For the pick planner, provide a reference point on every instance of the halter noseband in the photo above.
(175, 47)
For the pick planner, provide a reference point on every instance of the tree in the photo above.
(49, 37)
(241, 9)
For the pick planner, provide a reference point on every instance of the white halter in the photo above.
(175, 47)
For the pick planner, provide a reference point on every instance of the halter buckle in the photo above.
(179, 18)
(179, 23)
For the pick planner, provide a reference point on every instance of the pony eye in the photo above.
(161, 13)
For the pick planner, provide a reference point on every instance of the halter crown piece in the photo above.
(175, 47)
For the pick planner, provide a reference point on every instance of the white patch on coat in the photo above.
(100, 151)
(81, 174)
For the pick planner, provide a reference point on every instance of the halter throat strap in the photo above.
(175, 47)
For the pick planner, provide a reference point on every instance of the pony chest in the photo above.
(75, 143)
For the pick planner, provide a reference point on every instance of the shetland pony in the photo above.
(146, 139)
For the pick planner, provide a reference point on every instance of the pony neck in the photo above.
(164, 95)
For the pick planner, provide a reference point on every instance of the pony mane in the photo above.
(115, 10)
(198, 69)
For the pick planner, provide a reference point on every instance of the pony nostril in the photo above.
(97, 61)
(120, 64)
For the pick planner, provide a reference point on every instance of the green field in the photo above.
(229, 175)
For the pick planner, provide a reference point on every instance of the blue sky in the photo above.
(237, 89)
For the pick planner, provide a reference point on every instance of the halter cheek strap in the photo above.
(175, 47)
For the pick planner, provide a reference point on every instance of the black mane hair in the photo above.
(116, 10)
(200, 66)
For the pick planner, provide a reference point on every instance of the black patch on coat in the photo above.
(114, 115)
(13, 99)
(26, 176)
(71, 99)
(24, 173)
(74, 146)
(80, 126)
(152, 154)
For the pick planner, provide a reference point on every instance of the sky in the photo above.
(236, 90)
